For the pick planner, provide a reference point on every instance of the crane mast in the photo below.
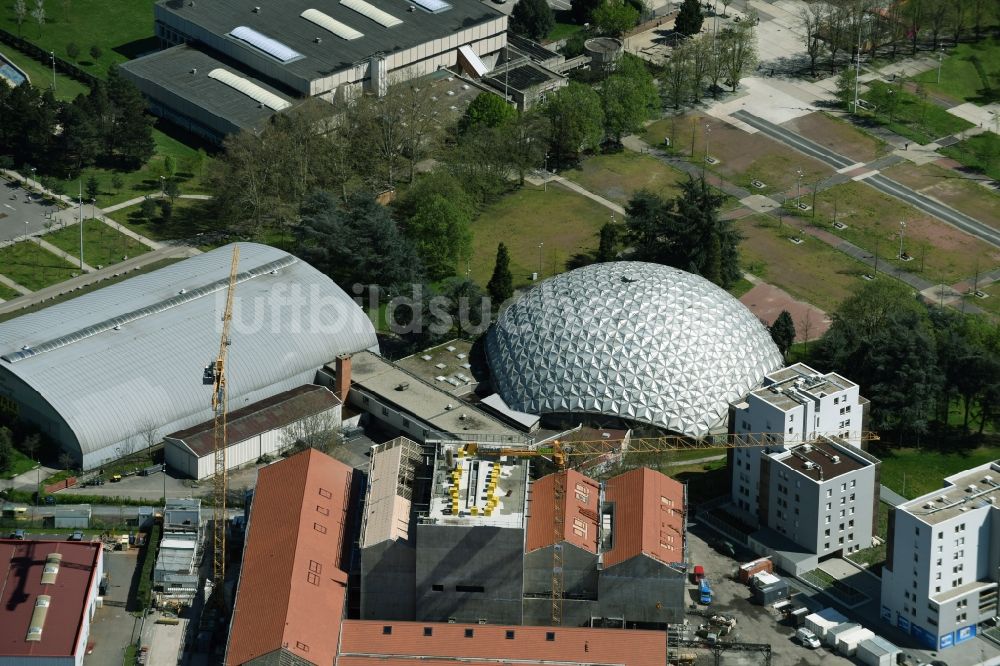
(220, 408)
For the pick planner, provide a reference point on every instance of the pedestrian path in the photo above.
(63, 254)
(7, 282)
(569, 184)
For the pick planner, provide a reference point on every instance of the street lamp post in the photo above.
(940, 60)
(163, 186)
(540, 258)
(798, 188)
(52, 56)
(902, 228)
(81, 223)
(545, 174)
(857, 67)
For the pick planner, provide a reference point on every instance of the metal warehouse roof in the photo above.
(133, 353)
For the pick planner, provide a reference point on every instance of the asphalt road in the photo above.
(886, 185)
(19, 213)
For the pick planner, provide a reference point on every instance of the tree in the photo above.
(147, 208)
(93, 187)
(501, 284)
(674, 81)
(615, 17)
(607, 248)
(317, 431)
(937, 15)
(978, 10)
(739, 50)
(6, 449)
(66, 461)
(128, 131)
(20, 14)
(846, 86)
(782, 331)
(38, 13)
(575, 121)
(171, 189)
(628, 97)
(812, 19)
(96, 52)
(583, 10)
(73, 50)
(487, 110)
(915, 15)
(439, 228)
(700, 50)
(689, 18)
(521, 142)
(168, 166)
(357, 243)
(959, 17)
(117, 182)
(166, 211)
(533, 19)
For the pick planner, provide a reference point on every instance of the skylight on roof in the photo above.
(250, 89)
(331, 24)
(371, 11)
(270, 46)
(433, 6)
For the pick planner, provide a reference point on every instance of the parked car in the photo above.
(807, 638)
(76, 536)
(18, 534)
(49, 499)
(726, 548)
(115, 478)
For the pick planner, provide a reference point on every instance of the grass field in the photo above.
(948, 187)
(990, 304)
(916, 119)
(122, 29)
(191, 167)
(961, 80)
(41, 76)
(6, 293)
(102, 245)
(915, 472)
(189, 219)
(839, 136)
(20, 463)
(767, 253)
(32, 267)
(617, 177)
(819, 578)
(873, 557)
(941, 252)
(564, 222)
(980, 152)
(563, 30)
(83, 290)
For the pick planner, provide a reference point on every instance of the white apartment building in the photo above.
(941, 573)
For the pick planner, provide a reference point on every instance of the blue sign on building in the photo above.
(902, 622)
(965, 633)
(946, 641)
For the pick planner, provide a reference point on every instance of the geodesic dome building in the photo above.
(643, 342)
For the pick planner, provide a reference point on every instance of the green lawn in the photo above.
(980, 152)
(912, 117)
(617, 177)
(191, 168)
(819, 578)
(563, 30)
(914, 472)
(961, 79)
(741, 287)
(122, 29)
(6, 293)
(41, 76)
(32, 267)
(190, 217)
(991, 303)
(83, 290)
(564, 222)
(102, 245)
(875, 556)
(20, 464)
(767, 252)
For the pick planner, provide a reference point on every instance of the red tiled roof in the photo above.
(292, 587)
(648, 517)
(264, 415)
(22, 563)
(365, 643)
(581, 511)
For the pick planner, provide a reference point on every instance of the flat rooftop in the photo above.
(962, 590)
(21, 565)
(183, 71)
(435, 406)
(470, 490)
(782, 385)
(972, 489)
(521, 76)
(822, 460)
(320, 52)
(446, 366)
(391, 474)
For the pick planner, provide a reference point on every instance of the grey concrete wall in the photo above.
(579, 572)
(388, 581)
(643, 591)
(490, 558)
(575, 612)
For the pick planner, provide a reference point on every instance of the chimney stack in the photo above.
(342, 383)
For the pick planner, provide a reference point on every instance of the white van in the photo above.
(807, 638)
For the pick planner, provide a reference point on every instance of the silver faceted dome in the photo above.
(644, 342)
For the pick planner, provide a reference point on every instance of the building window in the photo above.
(828, 506)
(854, 482)
(840, 540)
(959, 553)
(829, 492)
(828, 520)
(469, 633)
(850, 523)
(406, 423)
(851, 511)
(470, 588)
(428, 631)
(937, 588)
(385, 412)
(386, 630)
(437, 588)
(826, 532)
(843, 487)
(510, 635)
(550, 635)
(319, 528)
(364, 399)
(826, 546)
(836, 401)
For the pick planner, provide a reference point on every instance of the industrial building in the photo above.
(102, 373)
(175, 574)
(629, 342)
(232, 66)
(810, 500)
(71, 516)
(939, 582)
(474, 542)
(799, 404)
(264, 428)
(293, 583)
(48, 595)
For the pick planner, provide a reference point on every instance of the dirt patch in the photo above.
(838, 136)
(950, 188)
(767, 302)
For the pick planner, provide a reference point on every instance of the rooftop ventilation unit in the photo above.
(331, 24)
(809, 464)
(942, 498)
(987, 479)
(372, 12)
(972, 488)
(929, 505)
(835, 459)
(256, 10)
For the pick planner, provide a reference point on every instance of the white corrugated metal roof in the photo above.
(250, 89)
(134, 352)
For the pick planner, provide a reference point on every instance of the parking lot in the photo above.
(113, 626)
(755, 624)
(20, 213)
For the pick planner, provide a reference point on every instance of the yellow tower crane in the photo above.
(584, 450)
(215, 374)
